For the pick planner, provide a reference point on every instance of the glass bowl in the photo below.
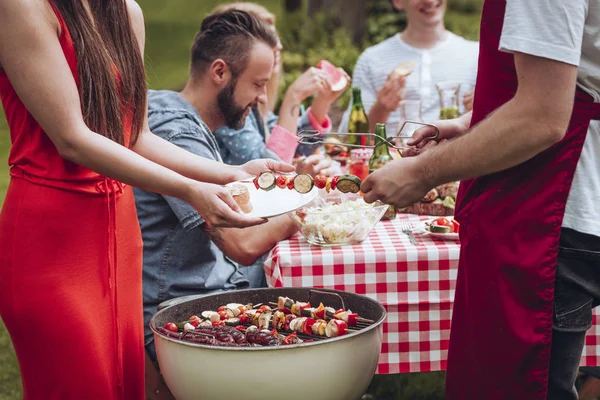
(337, 220)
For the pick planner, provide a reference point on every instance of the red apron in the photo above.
(510, 229)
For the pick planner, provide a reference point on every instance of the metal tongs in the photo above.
(317, 137)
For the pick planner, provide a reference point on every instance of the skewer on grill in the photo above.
(298, 309)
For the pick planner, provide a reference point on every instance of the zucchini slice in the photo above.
(303, 183)
(266, 180)
(349, 184)
(439, 229)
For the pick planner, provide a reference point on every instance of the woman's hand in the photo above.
(255, 167)
(326, 97)
(217, 207)
(313, 80)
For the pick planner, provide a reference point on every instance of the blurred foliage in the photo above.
(307, 39)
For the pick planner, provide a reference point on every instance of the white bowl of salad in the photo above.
(337, 219)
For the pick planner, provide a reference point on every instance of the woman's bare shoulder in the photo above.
(19, 16)
(134, 10)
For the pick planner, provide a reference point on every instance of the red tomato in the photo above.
(456, 226)
(170, 326)
(219, 323)
(320, 181)
(443, 222)
(281, 181)
(244, 319)
(195, 321)
(223, 314)
(264, 308)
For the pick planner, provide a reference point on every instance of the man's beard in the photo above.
(232, 113)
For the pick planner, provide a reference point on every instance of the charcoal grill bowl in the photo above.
(331, 369)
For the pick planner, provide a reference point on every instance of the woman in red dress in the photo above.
(73, 88)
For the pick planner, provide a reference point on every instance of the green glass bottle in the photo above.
(358, 122)
(381, 156)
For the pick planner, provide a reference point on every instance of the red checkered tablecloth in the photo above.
(415, 283)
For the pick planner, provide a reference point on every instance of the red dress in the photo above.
(70, 267)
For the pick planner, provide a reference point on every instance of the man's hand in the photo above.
(448, 129)
(467, 100)
(398, 183)
(217, 207)
(255, 167)
(392, 92)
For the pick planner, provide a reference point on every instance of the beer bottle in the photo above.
(381, 156)
(358, 122)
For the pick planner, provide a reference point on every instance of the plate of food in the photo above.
(442, 228)
(270, 194)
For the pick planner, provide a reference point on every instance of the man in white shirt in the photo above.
(529, 273)
(437, 55)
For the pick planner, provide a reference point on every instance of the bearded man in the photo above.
(232, 61)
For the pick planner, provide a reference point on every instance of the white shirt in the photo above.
(454, 60)
(566, 31)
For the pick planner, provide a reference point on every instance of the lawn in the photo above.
(170, 28)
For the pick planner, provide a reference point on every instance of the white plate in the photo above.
(445, 236)
(267, 204)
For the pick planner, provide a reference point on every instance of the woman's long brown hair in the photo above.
(105, 43)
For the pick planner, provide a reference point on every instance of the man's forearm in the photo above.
(183, 162)
(514, 134)
(245, 246)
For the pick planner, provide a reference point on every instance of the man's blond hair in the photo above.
(257, 10)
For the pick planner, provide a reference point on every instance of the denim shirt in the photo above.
(179, 257)
(249, 143)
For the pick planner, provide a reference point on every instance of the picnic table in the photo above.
(415, 283)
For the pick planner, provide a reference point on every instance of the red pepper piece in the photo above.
(352, 319)
(255, 181)
(289, 338)
(308, 326)
(223, 314)
(218, 323)
(240, 328)
(334, 182)
(341, 326)
(244, 319)
(290, 184)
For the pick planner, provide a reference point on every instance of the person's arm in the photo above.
(245, 246)
(387, 101)
(535, 119)
(311, 81)
(185, 163)
(32, 58)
